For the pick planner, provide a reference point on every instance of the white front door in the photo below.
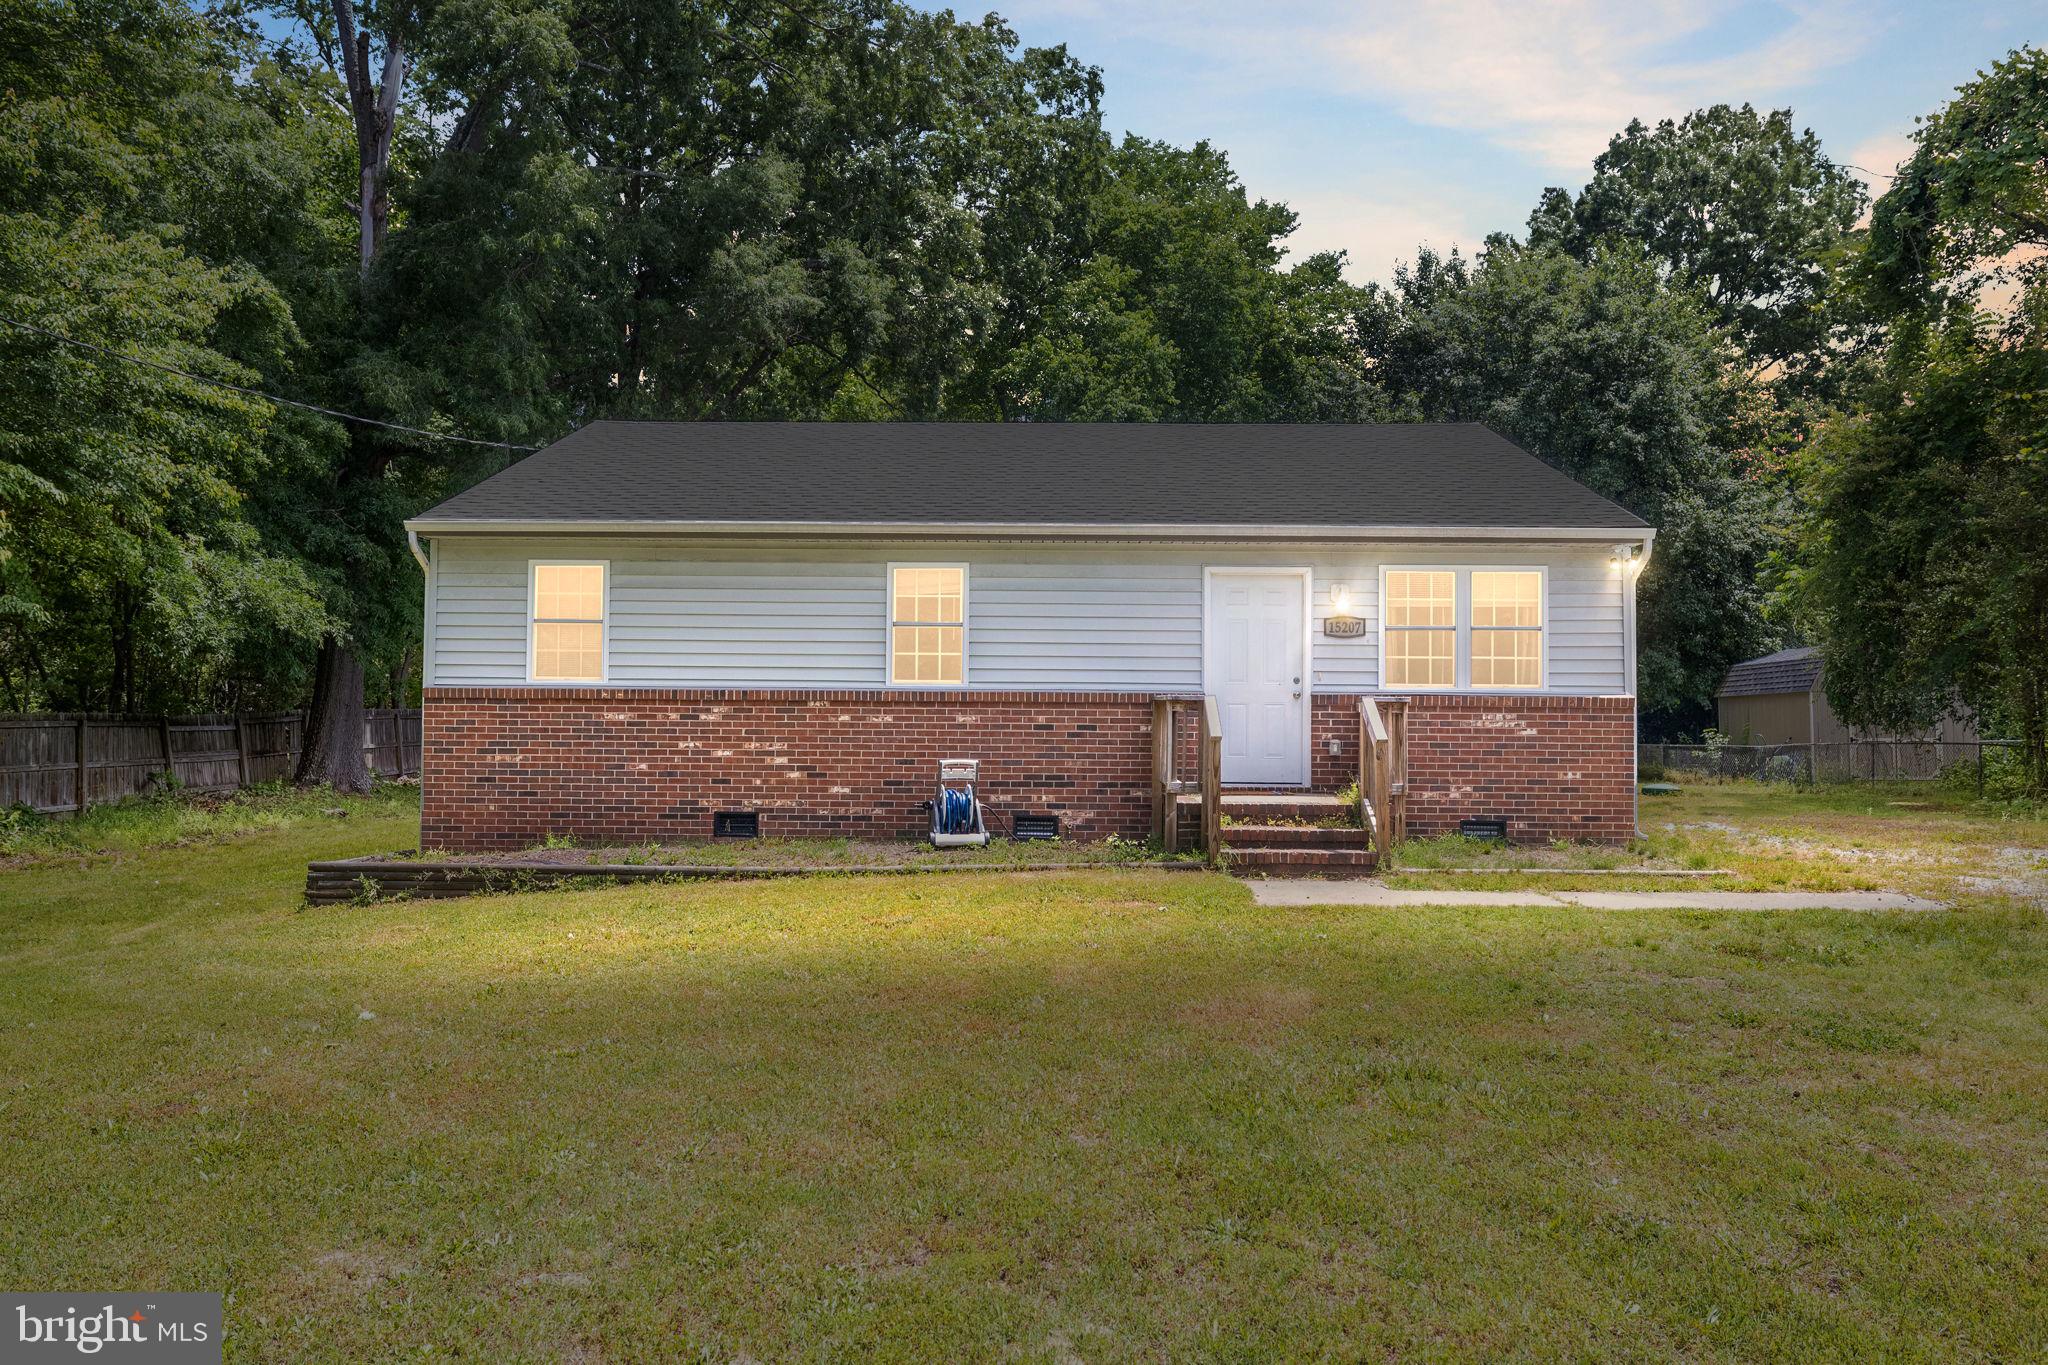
(1257, 670)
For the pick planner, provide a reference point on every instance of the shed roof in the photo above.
(1090, 475)
(1789, 670)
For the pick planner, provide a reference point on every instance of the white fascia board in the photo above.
(1023, 530)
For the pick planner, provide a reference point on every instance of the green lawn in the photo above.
(1096, 1115)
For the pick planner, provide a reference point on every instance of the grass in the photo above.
(1103, 1114)
(177, 819)
(1918, 837)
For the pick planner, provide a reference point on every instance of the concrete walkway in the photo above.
(1307, 891)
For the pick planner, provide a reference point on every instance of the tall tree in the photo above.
(1740, 205)
(1969, 209)
(398, 64)
(1181, 311)
(1923, 558)
(1922, 563)
(136, 177)
(727, 212)
(1604, 371)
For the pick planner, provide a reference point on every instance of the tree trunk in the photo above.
(332, 752)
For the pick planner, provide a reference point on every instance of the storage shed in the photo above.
(1780, 699)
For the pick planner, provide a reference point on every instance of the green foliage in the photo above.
(1606, 372)
(1922, 561)
(1970, 207)
(1183, 312)
(1922, 566)
(1733, 203)
(736, 214)
(175, 819)
(131, 574)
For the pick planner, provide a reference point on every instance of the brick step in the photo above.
(1308, 836)
(1301, 862)
(1259, 807)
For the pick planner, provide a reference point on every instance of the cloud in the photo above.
(1876, 159)
(1552, 79)
(1376, 232)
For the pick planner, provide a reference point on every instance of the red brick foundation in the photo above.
(1554, 767)
(505, 767)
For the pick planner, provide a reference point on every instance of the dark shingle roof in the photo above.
(1789, 670)
(1037, 473)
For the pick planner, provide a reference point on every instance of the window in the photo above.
(1421, 628)
(1453, 627)
(1507, 628)
(568, 623)
(927, 625)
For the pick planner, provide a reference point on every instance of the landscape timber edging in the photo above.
(381, 878)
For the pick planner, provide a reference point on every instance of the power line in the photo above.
(258, 393)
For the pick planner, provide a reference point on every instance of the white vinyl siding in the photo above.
(1061, 616)
(1066, 618)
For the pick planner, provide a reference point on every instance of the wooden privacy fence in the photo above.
(67, 761)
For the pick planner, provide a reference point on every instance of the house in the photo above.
(648, 623)
(1780, 699)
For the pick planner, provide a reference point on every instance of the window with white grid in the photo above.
(927, 625)
(1507, 628)
(567, 623)
(1421, 619)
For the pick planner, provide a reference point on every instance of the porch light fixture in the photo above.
(1340, 599)
(1623, 555)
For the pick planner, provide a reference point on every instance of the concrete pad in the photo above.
(1748, 900)
(1308, 891)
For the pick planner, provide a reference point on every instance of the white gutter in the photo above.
(1088, 529)
(1634, 569)
(412, 542)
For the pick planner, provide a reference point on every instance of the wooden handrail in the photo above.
(1210, 758)
(1165, 800)
(1397, 768)
(1206, 782)
(1375, 777)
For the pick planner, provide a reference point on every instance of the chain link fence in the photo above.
(1855, 760)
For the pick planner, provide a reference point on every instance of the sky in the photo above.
(1386, 124)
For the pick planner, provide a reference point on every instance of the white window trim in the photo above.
(604, 620)
(889, 624)
(1461, 621)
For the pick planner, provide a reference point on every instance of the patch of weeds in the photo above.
(167, 818)
(1121, 850)
(18, 822)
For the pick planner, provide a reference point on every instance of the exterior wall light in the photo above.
(1340, 599)
(1623, 555)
